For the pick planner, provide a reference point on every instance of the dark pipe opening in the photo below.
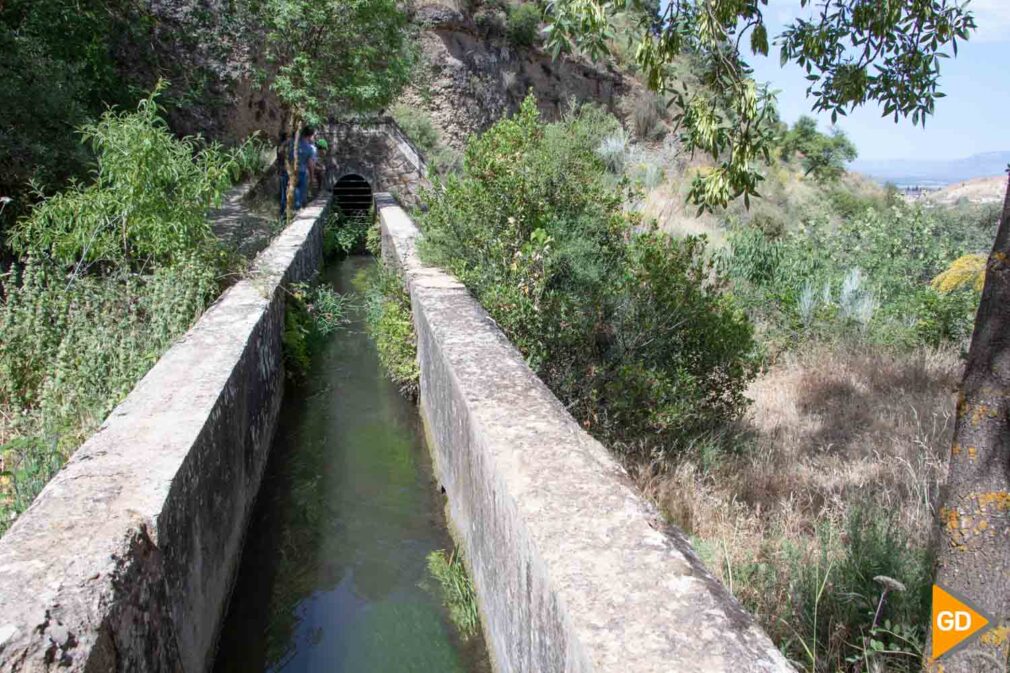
(353, 195)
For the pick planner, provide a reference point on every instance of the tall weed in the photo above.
(71, 347)
(390, 322)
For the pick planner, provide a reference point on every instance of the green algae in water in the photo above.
(334, 574)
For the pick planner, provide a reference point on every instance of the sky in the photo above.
(973, 118)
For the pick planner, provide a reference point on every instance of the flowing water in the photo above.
(333, 576)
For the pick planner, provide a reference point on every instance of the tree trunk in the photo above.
(973, 544)
(291, 161)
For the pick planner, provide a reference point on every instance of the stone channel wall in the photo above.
(574, 571)
(125, 561)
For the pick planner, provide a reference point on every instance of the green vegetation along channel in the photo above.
(334, 573)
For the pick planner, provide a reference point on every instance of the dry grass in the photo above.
(829, 428)
(667, 203)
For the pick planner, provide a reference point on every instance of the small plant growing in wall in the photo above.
(457, 590)
(312, 314)
(390, 322)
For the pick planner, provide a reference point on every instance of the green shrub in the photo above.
(681, 347)
(417, 125)
(343, 235)
(617, 322)
(312, 313)
(944, 318)
(390, 322)
(866, 279)
(148, 203)
(524, 24)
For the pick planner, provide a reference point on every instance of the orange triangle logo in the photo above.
(954, 622)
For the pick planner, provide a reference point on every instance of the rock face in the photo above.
(472, 74)
(207, 52)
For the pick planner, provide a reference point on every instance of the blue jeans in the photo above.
(284, 193)
(302, 189)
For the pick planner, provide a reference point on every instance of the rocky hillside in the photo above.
(976, 190)
(472, 73)
(208, 52)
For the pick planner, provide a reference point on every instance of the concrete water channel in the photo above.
(333, 576)
(126, 560)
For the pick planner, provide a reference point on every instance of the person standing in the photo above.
(306, 165)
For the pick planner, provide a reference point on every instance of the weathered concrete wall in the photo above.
(574, 571)
(125, 560)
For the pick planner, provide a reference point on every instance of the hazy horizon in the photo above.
(969, 120)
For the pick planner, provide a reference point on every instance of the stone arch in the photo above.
(377, 151)
(352, 194)
(342, 166)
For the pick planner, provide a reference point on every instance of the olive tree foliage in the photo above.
(853, 51)
(823, 156)
(334, 57)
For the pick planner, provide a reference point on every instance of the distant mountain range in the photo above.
(910, 173)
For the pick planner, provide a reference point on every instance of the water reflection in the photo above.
(333, 577)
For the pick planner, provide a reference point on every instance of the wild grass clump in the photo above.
(613, 150)
(457, 590)
(346, 235)
(832, 486)
(312, 313)
(631, 328)
(390, 322)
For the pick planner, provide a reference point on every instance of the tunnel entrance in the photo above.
(353, 195)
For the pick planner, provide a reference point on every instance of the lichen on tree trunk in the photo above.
(973, 543)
